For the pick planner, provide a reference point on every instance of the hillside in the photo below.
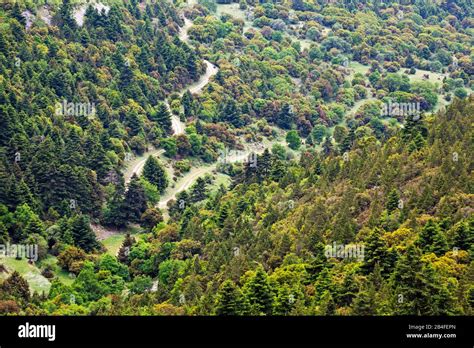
(215, 158)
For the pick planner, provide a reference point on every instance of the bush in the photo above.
(72, 259)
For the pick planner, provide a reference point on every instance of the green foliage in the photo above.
(293, 140)
(154, 172)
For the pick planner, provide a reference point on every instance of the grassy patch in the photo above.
(357, 67)
(113, 243)
(30, 272)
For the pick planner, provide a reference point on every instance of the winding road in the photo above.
(186, 181)
(137, 164)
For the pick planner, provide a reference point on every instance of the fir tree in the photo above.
(135, 203)
(432, 239)
(259, 293)
(124, 250)
(162, 117)
(198, 190)
(365, 301)
(228, 300)
(187, 102)
(82, 233)
(392, 201)
(376, 252)
(16, 286)
(285, 301)
(154, 172)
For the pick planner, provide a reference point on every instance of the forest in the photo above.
(237, 158)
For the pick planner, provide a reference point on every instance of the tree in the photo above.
(326, 304)
(285, 117)
(318, 133)
(318, 262)
(82, 233)
(170, 146)
(187, 102)
(199, 190)
(110, 263)
(460, 93)
(258, 293)
(285, 301)
(347, 291)
(66, 19)
(231, 113)
(162, 116)
(376, 252)
(432, 239)
(135, 203)
(392, 200)
(228, 299)
(35, 226)
(293, 140)
(154, 172)
(323, 284)
(16, 286)
(141, 284)
(124, 250)
(151, 217)
(463, 235)
(115, 214)
(4, 236)
(417, 289)
(70, 258)
(365, 301)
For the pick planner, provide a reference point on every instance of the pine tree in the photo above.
(432, 239)
(286, 117)
(82, 233)
(223, 214)
(278, 170)
(116, 214)
(376, 252)
(162, 116)
(318, 262)
(124, 250)
(154, 172)
(228, 300)
(35, 226)
(392, 201)
(231, 113)
(135, 203)
(323, 283)
(4, 237)
(67, 22)
(187, 102)
(259, 293)
(407, 283)
(440, 244)
(365, 301)
(436, 298)
(463, 235)
(199, 191)
(348, 290)
(16, 286)
(326, 305)
(348, 141)
(264, 162)
(284, 302)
